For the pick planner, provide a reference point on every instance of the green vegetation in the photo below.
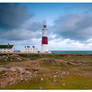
(67, 57)
(71, 81)
(50, 56)
(74, 73)
(57, 56)
(8, 57)
(2, 72)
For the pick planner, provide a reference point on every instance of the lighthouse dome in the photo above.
(44, 26)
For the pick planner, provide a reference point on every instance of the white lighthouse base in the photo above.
(44, 48)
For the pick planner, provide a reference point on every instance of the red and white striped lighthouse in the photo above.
(44, 39)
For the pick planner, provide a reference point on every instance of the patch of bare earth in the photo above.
(16, 72)
(85, 71)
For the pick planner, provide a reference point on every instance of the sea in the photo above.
(72, 52)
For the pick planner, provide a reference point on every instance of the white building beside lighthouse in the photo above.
(6, 48)
(28, 49)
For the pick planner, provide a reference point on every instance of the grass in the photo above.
(8, 58)
(38, 56)
(72, 81)
(75, 80)
(69, 82)
(67, 57)
(2, 72)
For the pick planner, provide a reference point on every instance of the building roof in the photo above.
(6, 46)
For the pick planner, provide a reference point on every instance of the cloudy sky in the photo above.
(69, 25)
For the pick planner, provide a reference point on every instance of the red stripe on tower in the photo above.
(44, 40)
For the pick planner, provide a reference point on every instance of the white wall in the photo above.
(30, 50)
(44, 48)
(7, 50)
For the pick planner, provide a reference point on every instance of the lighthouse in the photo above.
(44, 39)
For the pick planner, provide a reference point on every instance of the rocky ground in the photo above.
(45, 73)
(16, 72)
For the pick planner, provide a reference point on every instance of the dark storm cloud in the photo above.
(12, 15)
(17, 23)
(74, 26)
